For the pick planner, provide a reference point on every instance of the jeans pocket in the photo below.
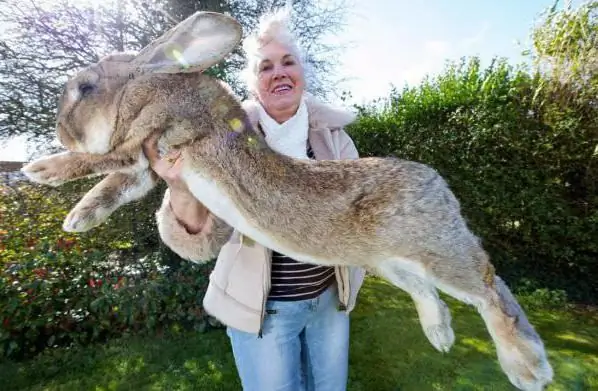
(285, 308)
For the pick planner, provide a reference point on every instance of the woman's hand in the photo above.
(190, 213)
(167, 167)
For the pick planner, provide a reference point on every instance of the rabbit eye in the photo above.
(86, 88)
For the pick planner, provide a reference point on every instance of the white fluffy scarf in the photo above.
(290, 137)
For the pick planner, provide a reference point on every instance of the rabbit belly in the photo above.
(219, 203)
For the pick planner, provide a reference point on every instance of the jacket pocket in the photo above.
(239, 272)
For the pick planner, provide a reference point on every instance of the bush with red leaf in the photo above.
(59, 289)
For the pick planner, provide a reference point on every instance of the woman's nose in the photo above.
(279, 72)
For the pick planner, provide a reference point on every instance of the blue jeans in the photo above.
(304, 347)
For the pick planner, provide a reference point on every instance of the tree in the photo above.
(565, 49)
(42, 44)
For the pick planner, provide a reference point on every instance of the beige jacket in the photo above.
(240, 281)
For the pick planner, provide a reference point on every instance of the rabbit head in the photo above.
(88, 105)
(109, 108)
(88, 110)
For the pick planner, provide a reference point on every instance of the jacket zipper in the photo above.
(345, 288)
(348, 290)
(266, 286)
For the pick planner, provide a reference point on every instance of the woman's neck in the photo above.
(283, 115)
(290, 136)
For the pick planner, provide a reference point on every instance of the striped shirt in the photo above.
(293, 280)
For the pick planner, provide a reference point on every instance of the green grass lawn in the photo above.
(388, 352)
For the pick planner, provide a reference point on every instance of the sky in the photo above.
(399, 42)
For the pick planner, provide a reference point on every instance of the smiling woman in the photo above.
(275, 71)
(280, 82)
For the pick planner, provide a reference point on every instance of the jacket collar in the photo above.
(321, 115)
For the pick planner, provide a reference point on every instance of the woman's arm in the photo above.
(197, 236)
(184, 224)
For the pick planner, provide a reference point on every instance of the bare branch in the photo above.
(41, 44)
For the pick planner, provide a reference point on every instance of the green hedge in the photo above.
(58, 289)
(521, 161)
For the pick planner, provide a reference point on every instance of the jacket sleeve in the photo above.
(201, 247)
(347, 146)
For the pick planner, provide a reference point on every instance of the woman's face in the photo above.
(280, 81)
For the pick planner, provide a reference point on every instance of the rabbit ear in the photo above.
(193, 45)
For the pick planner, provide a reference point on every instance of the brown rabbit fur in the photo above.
(397, 218)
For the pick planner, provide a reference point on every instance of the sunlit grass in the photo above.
(388, 352)
(386, 320)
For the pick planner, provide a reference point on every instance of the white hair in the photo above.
(272, 26)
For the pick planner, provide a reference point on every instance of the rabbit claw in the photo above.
(49, 170)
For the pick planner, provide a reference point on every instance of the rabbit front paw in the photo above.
(53, 170)
(84, 217)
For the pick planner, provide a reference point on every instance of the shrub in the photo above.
(533, 297)
(58, 288)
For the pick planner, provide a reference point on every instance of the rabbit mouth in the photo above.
(65, 138)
